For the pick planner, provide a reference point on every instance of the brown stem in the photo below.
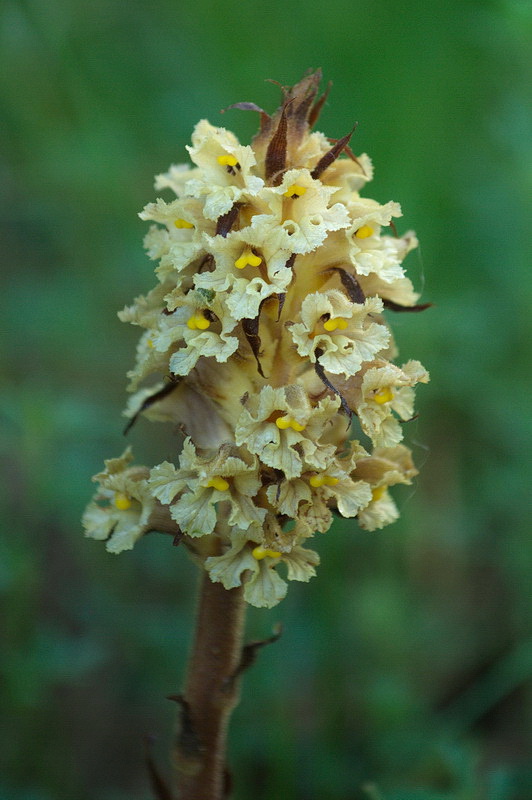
(211, 693)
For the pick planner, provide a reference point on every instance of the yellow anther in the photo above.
(182, 223)
(378, 492)
(227, 161)
(149, 343)
(262, 552)
(336, 323)
(283, 423)
(197, 322)
(322, 480)
(364, 232)
(295, 190)
(248, 257)
(122, 501)
(384, 395)
(218, 483)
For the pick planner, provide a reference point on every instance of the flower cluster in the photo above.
(262, 342)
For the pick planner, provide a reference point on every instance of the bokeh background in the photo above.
(402, 670)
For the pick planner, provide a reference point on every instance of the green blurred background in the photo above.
(402, 671)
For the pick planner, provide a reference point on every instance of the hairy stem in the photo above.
(211, 693)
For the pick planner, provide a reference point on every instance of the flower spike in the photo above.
(263, 338)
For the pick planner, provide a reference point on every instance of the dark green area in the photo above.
(402, 671)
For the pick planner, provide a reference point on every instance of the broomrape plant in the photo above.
(265, 334)
(263, 341)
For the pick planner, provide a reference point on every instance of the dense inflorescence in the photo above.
(266, 335)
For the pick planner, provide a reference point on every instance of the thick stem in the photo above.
(211, 693)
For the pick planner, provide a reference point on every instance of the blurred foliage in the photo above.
(402, 671)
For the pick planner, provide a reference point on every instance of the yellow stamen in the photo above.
(248, 257)
(262, 552)
(122, 501)
(364, 232)
(149, 343)
(287, 422)
(378, 492)
(182, 223)
(337, 322)
(384, 395)
(218, 483)
(227, 161)
(197, 322)
(322, 480)
(296, 190)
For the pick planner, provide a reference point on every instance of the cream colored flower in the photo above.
(230, 476)
(148, 361)
(146, 310)
(120, 511)
(401, 291)
(349, 176)
(387, 466)
(386, 390)
(198, 324)
(371, 252)
(282, 427)
(298, 213)
(343, 333)
(249, 274)
(331, 486)
(225, 176)
(254, 566)
(178, 245)
(176, 179)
